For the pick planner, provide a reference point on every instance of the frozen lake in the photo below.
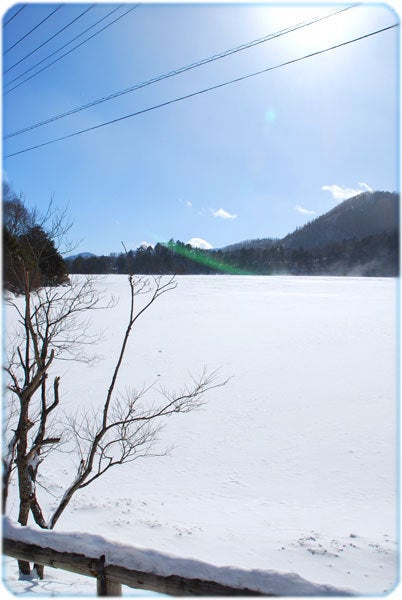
(292, 465)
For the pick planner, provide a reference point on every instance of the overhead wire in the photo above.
(14, 15)
(180, 70)
(203, 91)
(66, 44)
(51, 38)
(32, 30)
(71, 49)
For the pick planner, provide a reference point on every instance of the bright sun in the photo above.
(324, 25)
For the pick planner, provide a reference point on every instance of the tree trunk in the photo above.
(24, 487)
(24, 480)
(6, 482)
(40, 520)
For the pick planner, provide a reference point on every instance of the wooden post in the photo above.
(104, 586)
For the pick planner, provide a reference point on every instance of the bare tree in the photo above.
(126, 428)
(47, 328)
(52, 326)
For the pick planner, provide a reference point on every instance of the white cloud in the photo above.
(146, 245)
(223, 214)
(200, 243)
(365, 185)
(304, 211)
(186, 203)
(340, 193)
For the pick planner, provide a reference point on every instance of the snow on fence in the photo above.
(114, 564)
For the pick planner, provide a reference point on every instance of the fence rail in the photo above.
(114, 564)
(110, 578)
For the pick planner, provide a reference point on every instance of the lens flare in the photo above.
(270, 115)
(206, 260)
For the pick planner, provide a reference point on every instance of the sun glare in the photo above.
(316, 26)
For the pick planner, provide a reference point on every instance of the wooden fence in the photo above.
(110, 578)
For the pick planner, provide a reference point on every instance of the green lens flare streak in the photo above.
(206, 260)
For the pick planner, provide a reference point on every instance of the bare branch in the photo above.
(53, 326)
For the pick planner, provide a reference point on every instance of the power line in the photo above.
(71, 50)
(14, 15)
(66, 44)
(33, 29)
(203, 91)
(178, 71)
(51, 38)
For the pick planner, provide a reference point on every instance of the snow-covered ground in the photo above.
(292, 466)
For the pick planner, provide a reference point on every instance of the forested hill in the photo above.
(358, 237)
(364, 215)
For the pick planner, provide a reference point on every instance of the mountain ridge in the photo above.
(359, 236)
(379, 210)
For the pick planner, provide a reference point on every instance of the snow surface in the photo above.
(291, 467)
(200, 243)
(151, 561)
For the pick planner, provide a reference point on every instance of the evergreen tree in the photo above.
(29, 254)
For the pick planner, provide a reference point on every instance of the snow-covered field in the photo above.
(292, 466)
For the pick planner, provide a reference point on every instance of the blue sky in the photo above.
(256, 158)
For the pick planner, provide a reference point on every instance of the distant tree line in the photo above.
(29, 248)
(374, 255)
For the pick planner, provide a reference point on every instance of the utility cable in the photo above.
(177, 71)
(14, 15)
(71, 49)
(203, 91)
(51, 38)
(66, 44)
(33, 29)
